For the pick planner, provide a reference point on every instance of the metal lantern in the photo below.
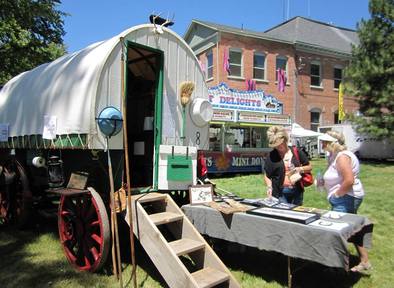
(55, 172)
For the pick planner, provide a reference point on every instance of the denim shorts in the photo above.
(292, 196)
(345, 203)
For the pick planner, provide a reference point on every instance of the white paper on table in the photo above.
(4, 132)
(50, 127)
(326, 224)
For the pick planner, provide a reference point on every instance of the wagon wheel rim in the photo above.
(15, 197)
(84, 230)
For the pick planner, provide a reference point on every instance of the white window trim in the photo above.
(265, 66)
(316, 110)
(241, 65)
(320, 75)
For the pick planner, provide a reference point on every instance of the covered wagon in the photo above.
(126, 114)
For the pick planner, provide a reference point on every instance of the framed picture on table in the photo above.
(200, 194)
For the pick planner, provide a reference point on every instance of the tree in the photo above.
(31, 34)
(370, 75)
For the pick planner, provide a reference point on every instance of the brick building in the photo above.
(312, 54)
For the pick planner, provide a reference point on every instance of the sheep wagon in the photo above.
(59, 124)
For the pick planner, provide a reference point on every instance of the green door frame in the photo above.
(158, 103)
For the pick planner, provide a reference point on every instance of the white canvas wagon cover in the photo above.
(74, 88)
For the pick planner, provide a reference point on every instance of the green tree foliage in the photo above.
(31, 34)
(370, 75)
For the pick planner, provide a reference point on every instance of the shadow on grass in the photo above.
(23, 266)
(19, 266)
(141, 258)
(272, 267)
(18, 270)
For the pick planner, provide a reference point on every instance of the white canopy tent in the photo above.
(297, 131)
(305, 137)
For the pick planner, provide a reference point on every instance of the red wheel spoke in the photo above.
(70, 243)
(84, 230)
(95, 223)
(86, 253)
(65, 213)
(87, 264)
(70, 254)
(95, 253)
(97, 238)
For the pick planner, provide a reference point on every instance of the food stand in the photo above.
(237, 133)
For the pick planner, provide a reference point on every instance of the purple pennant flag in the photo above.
(202, 66)
(281, 80)
(253, 85)
(250, 84)
(226, 62)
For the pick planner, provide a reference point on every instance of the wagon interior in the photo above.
(142, 85)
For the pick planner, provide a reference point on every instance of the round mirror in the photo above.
(110, 121)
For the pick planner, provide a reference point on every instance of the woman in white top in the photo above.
(344, 188)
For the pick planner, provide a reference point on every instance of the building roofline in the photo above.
(310, 20)
(260, 35)
(237, 31)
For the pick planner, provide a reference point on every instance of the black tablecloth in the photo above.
(316, 241)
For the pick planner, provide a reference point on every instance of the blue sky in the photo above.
(96, 20)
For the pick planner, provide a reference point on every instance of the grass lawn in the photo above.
(34, 257)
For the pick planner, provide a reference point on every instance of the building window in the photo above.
(259, 66)
(209, 65)
(315, 74)
(281, 63)
(337, 77)
(236, 62)
(315, 119)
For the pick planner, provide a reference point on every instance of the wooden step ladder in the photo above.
(177, 249)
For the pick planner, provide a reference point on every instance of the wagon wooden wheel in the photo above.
(84, 230)
(15, 195)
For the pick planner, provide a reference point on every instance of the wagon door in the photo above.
(143, 98)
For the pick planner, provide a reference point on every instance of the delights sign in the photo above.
(223, 97)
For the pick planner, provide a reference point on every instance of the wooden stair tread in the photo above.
(165, 217)
(149, 197)
(209, 277)
(184, 246)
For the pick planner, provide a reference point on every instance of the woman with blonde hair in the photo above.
(283, 168)
(344, 188)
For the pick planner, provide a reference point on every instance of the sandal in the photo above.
(361, 267)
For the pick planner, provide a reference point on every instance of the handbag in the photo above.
(307, 177)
